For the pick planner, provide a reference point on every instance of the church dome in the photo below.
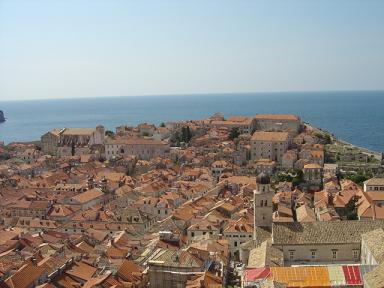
(263, 178)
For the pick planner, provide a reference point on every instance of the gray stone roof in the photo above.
(262, 234)
(332, 232)
(374, 240)
(265, 255)
(375, 278)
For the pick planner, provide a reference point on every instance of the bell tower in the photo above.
(262, 202)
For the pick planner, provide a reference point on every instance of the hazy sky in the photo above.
(80, 48)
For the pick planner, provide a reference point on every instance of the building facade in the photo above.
(278, 122)
(72, 141)
(141, 148)
(262, 202)
(374, 185)
(269, 145)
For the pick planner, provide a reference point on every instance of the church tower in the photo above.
(262, 202)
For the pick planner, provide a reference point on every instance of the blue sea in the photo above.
(356, 117)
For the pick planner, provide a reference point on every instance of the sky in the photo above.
(91, 48)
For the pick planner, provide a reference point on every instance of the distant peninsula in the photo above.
(2, 118)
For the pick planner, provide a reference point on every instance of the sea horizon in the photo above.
(201, 94)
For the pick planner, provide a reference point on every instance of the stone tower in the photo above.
(262, 202)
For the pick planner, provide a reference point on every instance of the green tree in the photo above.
(162, 124)
(189, 134)
(358, 178)
(324, 137)
(73, 149)
(109, 133)
(351, 208)
(234, 133)
(186, 134)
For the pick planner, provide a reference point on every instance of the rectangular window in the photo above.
(313, 254)
(334, 254)
(291, 255)
(355, 254)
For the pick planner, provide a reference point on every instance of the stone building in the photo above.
(237, 232)
(50, 142)
(171, 268)
(262, 201)
(266, 166)
(321, 242)
(278, 122)
(289, 159)
(313, 176)
(139, 147)
(72, 141)
(245, 125)
(374, 184)
(34, 209)
(269, 145)
(218, 167)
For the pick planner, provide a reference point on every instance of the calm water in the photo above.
(357, 117)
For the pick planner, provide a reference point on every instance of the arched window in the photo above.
(265, 203)
(261, 202)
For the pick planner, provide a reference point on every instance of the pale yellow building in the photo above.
(269, 145)
(278, 122)
(140, 147)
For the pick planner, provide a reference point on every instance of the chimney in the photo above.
(34, 261)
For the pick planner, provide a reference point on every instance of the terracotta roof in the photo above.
(305, 214)
(376, 196)
(130, 271)
(239, 119)
(239, 226)
(82, 271)
(88, 195)
(375, 181)
(277, 117)
(55, 131)
(312, 166)
(204, 279)
(136, 141)
(24, 277)
(78, 131)
(176, 258)
(270, 136)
